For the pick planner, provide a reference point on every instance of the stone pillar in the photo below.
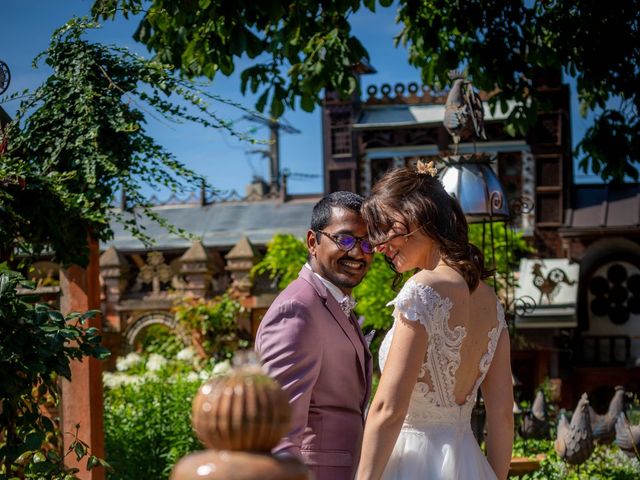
(240, 260)
(82, 402)
(113, 270)
(198, 268)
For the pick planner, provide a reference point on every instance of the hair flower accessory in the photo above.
(426, 168)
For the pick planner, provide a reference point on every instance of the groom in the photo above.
(310, 341)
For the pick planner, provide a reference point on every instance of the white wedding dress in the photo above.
(436, 441)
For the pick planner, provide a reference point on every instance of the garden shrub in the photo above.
(37, 345)
(606, 463)
(148, 426)
(147, 409)
(213, 325)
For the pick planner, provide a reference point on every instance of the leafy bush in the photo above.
(161, 340)
(147, 411)
(37, 345)
(508, 248)
(213, 325)
(285, 256)
(148, 426)
(606, 463)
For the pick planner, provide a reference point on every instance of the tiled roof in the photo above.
(611, 207)
(379, 116)
(221, 224)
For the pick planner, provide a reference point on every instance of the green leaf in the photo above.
(262, 101)
(307, 103)
(34, 440)
(80, 450)
(101, 353)
(53, 456)
(88, 315)
(277, 107)
(39, 457)
(92, 461)
(24, 458)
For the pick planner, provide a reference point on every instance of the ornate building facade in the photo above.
(592, 343)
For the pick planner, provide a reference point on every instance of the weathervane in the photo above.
(463, 111)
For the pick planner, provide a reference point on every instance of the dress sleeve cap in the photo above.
(418, 302)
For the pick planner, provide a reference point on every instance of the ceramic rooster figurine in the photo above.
(603, 427)
(574, 443)
(627, 436)
(534, 423)
(463, 111)
(549, 285)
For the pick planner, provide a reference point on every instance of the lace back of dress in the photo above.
(437, 380)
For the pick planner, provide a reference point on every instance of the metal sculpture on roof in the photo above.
(464, 114)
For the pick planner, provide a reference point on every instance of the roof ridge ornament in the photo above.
(464, 113)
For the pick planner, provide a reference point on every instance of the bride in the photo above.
(449, 338)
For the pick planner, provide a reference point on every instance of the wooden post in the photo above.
(82, 401)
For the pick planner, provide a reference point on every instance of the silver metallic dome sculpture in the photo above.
(473, 182)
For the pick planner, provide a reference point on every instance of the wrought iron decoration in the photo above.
(5, 77)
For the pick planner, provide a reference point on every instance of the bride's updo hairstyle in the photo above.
(415, 196)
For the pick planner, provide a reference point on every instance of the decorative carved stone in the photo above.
(197, 268)
(155, 271)
(113, 270)
(240, 260)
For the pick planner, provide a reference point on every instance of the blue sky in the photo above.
(25, 30)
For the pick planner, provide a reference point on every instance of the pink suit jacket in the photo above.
(321, 360)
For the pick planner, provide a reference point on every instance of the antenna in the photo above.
(274, 150)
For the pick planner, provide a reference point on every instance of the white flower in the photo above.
(221, 368)
(125, 363)
(204, 375)
(114, 380)
(186, 354)
(156, 362)
(193, 377)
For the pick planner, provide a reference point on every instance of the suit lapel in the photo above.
(368, 361)
(352, 331)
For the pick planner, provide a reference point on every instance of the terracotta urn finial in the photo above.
(240, 416)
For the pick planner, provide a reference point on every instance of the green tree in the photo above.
(76, 141)
(283, 260)
(300, 47)
(37, 345)
(80, 138)
(373, 294)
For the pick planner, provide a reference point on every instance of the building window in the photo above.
(340, 180)
(341, 141)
